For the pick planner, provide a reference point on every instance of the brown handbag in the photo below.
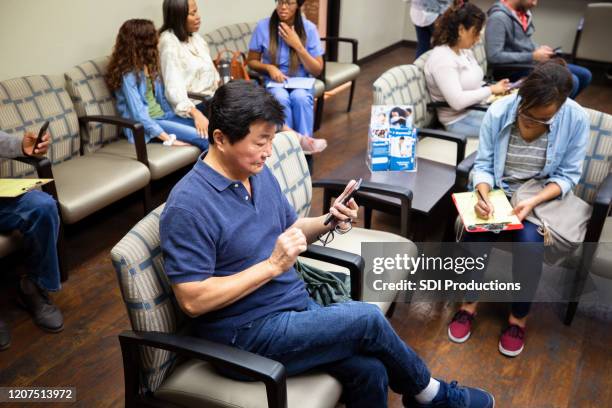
(237, 64)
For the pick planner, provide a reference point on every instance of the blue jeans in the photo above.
(526, 259)
(352, 341)
(184, 130)
(581, 77)
(423, 39)
(35, 215)
(298, 105)
(468, 125)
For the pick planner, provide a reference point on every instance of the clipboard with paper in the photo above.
(11, 187)
(502, 220)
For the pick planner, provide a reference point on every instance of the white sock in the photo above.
(429, 393)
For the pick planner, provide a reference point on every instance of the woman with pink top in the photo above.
(452, 72)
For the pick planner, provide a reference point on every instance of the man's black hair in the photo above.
(237, 105)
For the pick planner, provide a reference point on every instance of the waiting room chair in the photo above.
(165, 366)
(85, 183)
(594, 28)
(98, 116)
(337, 73)
(595, 187)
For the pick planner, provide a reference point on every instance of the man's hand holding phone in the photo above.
(345, 209)
(36, 145)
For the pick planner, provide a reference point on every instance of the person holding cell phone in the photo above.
(509, 41)
(230, 239)
(452, 73)
(538, 134)
(35, 215)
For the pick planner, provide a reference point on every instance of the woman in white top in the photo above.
(186, 65)
(452, 72)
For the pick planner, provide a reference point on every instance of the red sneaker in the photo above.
(512, 341)
(460, 327)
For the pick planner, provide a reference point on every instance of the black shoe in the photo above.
(36, 301)
(5, 335)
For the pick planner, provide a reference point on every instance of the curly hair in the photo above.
(135, 49)
(446, 30)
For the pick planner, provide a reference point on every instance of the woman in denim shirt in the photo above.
(538, 134)
(134, 77)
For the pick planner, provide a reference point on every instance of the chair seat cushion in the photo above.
(196, 384)
(163, 160)
(9, 242)
(443, 151)
(337, 73)
(88, 183)
(351, 242)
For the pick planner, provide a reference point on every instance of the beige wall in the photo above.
(555, 21)
(50, 36)
(376, 24)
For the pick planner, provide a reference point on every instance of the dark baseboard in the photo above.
(399, 44)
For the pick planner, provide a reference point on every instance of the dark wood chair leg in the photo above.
(319, 112)
(350, 103)
(146, 199)
(570, 313)
(391, 310)
(367, 218)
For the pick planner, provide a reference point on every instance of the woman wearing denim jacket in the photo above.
(133, 75)
(538, 134)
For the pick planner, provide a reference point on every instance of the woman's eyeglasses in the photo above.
(531, 119)
(289, 3)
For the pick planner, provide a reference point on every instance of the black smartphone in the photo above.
(558, 50)
(345, 198)
(41, 133)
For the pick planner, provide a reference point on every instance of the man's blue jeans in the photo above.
(35, 215)
(352, 341)
(581, 78)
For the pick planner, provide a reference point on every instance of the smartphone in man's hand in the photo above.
(41, 133)
(344, 198)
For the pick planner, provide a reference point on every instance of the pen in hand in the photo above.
(482, 203)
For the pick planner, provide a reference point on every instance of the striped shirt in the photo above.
(524, 160)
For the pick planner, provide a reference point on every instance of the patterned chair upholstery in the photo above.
(152, 307)
(84, 184)
(91, 97)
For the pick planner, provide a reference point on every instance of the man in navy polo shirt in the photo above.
(230, 239)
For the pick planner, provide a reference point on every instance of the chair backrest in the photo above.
(138, 261)
(90, 95)
(598, 160)
(147, 294)
(405, 85)
(289, 166)
(596, 28)
(235, 37)
(25, 104)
